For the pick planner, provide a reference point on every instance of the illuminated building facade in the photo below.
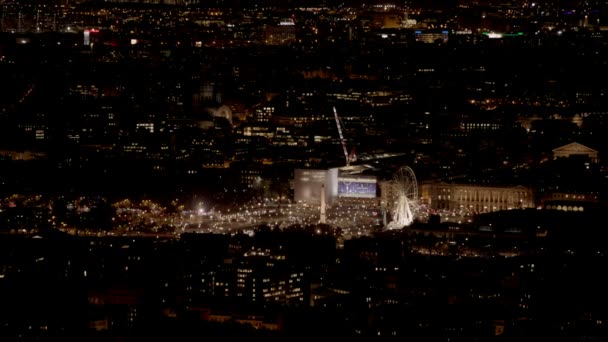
(266, 278)
(476, 198)
(263, 114)
(430, 37)
(569, 201)
(576, 149)
(282, 34)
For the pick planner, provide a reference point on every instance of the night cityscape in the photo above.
(184, 169)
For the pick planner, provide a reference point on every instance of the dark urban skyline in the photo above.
(188, 169)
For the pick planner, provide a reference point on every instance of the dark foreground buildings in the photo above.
(532, 275)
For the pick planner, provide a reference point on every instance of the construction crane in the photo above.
(352, 157)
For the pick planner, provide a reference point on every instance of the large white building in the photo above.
(308, 184)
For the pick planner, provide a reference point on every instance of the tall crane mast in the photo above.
(349, 158)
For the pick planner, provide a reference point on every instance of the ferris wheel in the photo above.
(405, 186)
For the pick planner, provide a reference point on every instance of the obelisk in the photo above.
(323, 218)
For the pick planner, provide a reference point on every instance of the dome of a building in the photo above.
(222, 112)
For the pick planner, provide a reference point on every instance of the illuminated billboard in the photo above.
(358, 187)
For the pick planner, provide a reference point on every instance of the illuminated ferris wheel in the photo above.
(406, 189)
